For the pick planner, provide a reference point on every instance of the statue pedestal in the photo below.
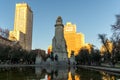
(62, 59)
(61, 56)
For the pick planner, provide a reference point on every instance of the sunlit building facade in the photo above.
(73, 39)
(23, 26)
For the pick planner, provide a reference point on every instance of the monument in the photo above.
(59, 47)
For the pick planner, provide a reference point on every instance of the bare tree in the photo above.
(4, 33)
(116, 27)
(104, 41)
(116, 38)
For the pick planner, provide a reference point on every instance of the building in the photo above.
(23, 26)
(75, 41)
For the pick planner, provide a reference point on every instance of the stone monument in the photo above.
(59, 47)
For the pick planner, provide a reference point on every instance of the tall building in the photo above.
(23, 26)
(74, 40)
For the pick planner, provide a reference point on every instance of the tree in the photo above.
(116, 27)
(83, 56)
(104, 41)
(95, 57)
(116, 39)
(4, 33)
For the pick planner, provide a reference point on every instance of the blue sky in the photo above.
(91, 17)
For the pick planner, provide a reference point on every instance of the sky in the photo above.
(92, 17)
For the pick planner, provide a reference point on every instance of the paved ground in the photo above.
(108, 65)
(116, 70)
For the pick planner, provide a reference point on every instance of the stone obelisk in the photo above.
(59, 47)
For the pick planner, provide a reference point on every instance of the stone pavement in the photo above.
(116, 70)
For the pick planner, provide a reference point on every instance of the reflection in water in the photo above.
(53, 73)
(77, 77)
(107, 77)
(17, 73)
